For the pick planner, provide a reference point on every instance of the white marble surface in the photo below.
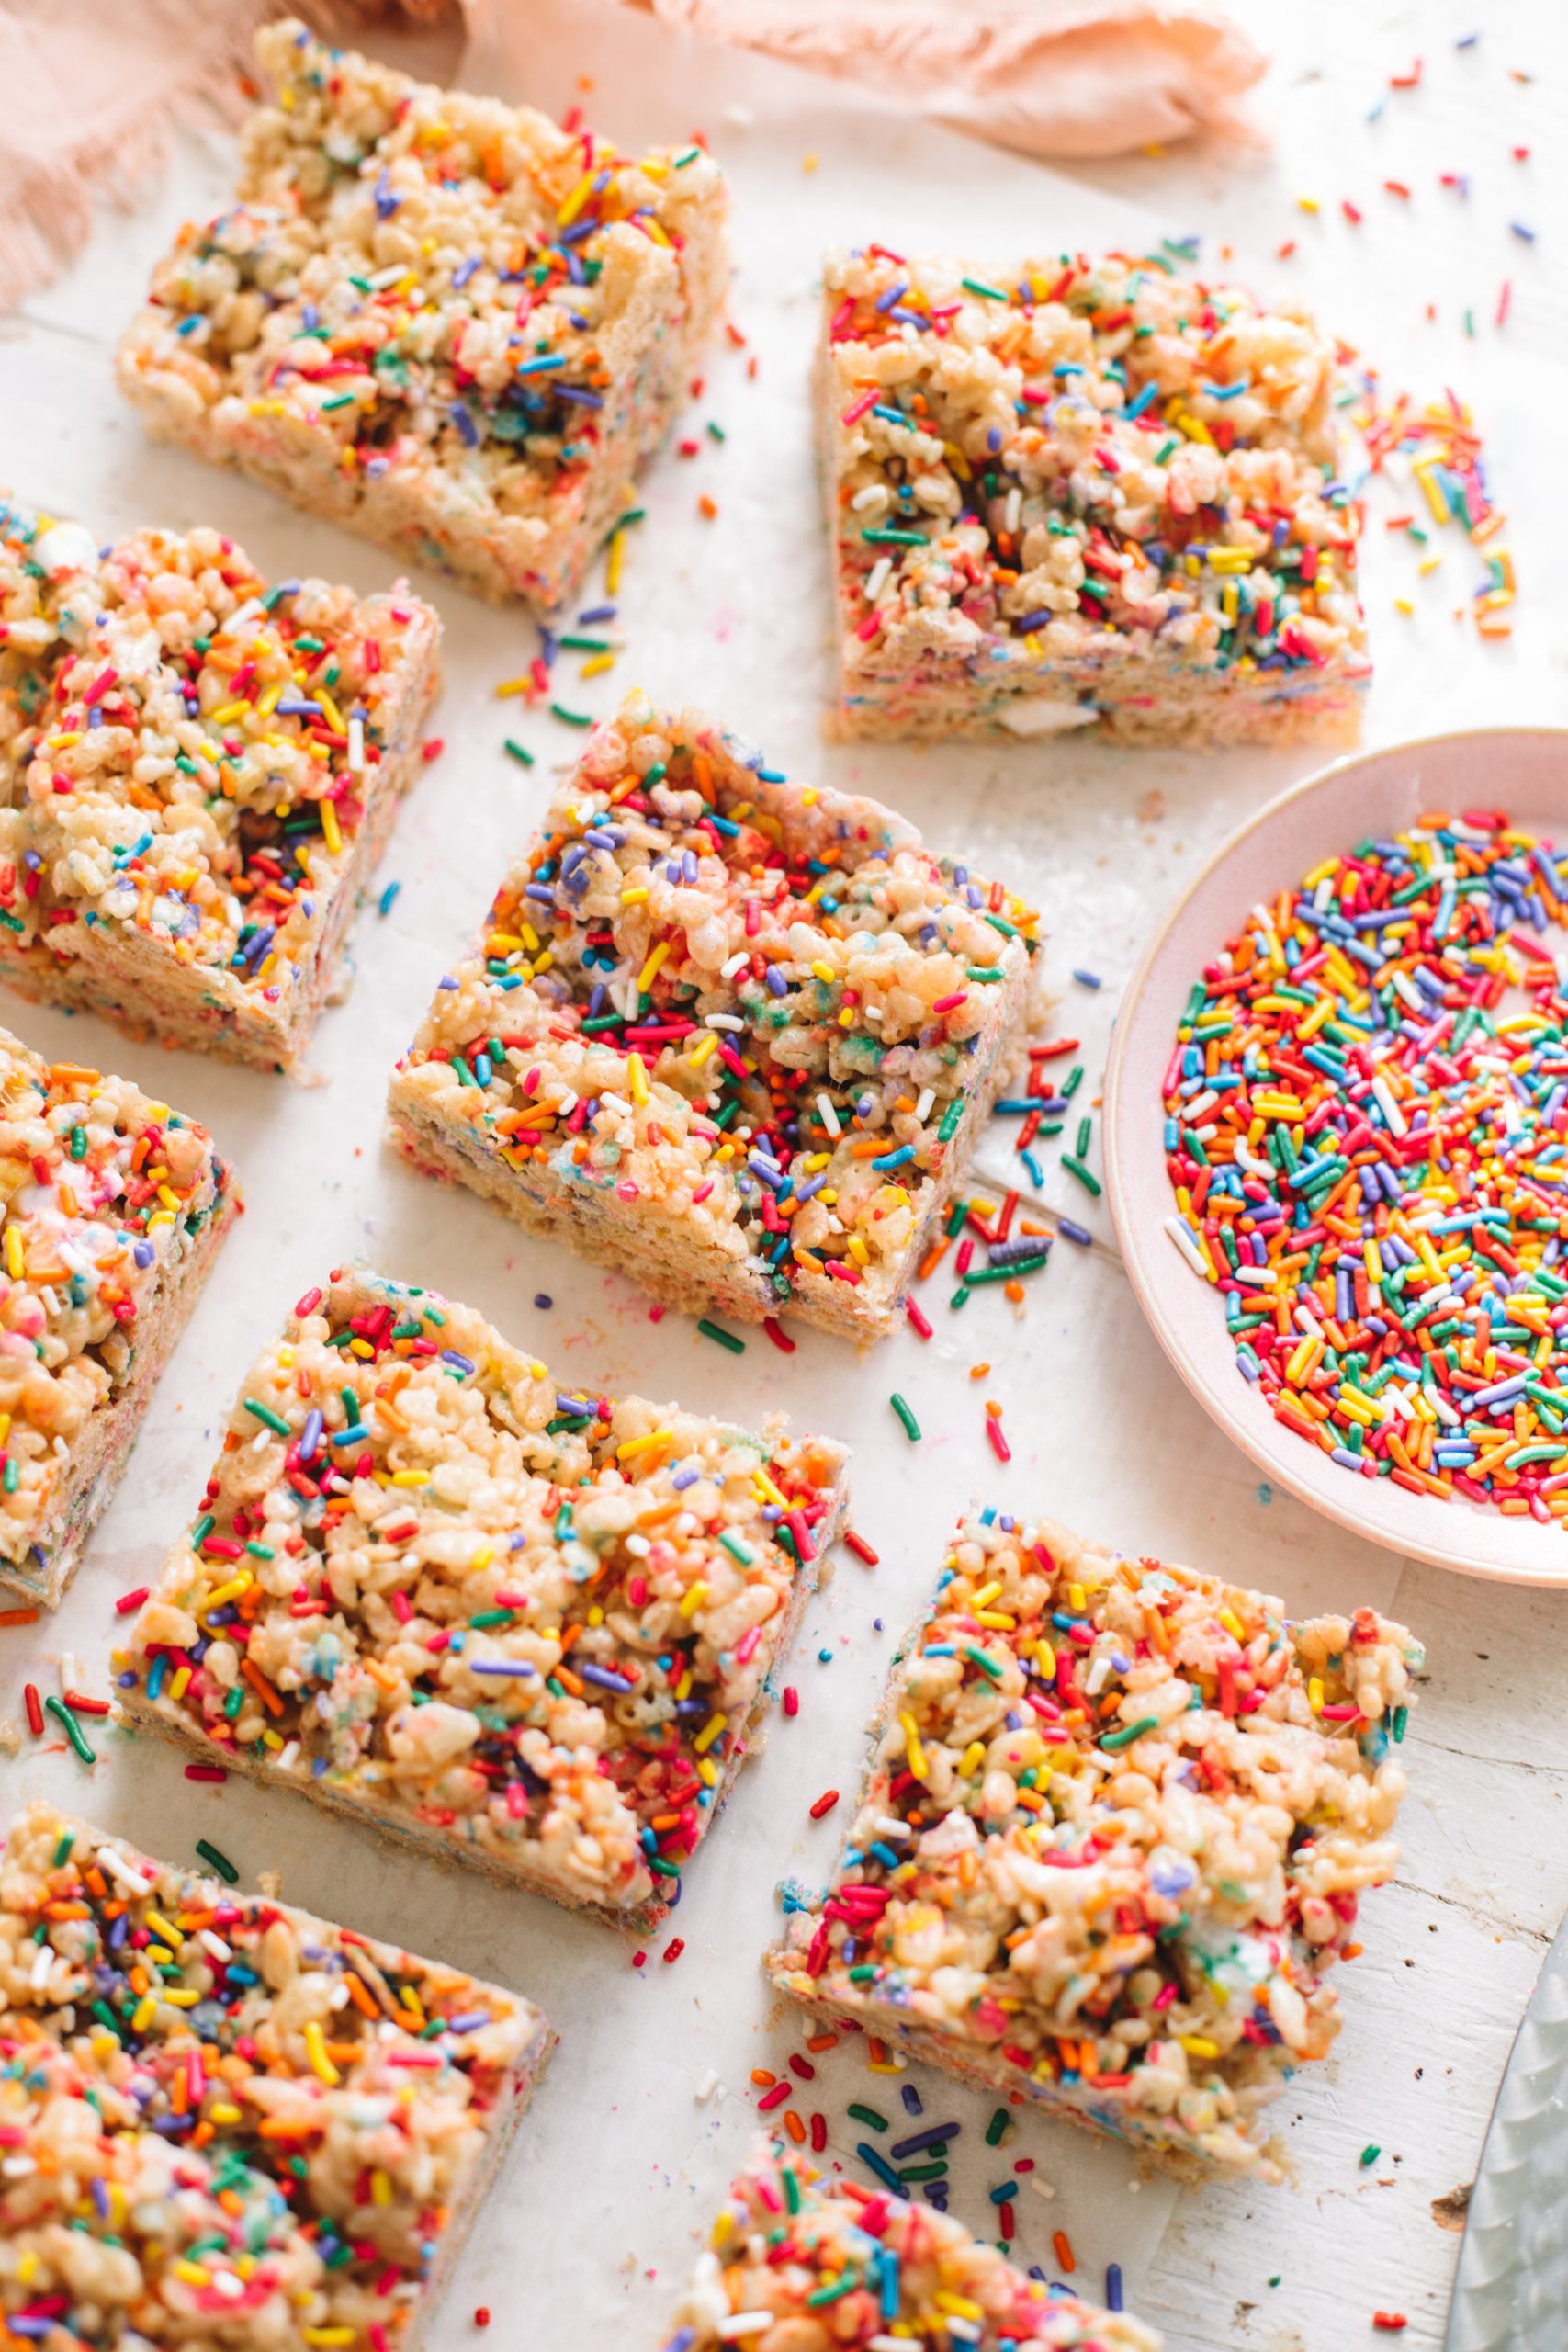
(621, 2163)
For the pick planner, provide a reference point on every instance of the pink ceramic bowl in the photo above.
(1523, 770)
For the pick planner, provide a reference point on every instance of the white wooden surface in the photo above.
(621, 2163)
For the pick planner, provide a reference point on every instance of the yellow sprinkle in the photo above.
(633, 897)
(575, 201)
(410, 1478)
(655, 959)
(142, 2016)
(768, 1491)
(614, 560)
(182, 1997)
(630, 1447)
(177, 1687)
(708, 1771)
(194, 2274)
(1315, 1695)
(316, 2051)
(709, 1732)
(513, 686)
(705, 1049)
(380, 2187)
(15, 1260)
(596, 664)
(824, 971)
(1307, 204)
(637, 1077)
(223, 2113)
(972, 1759)
(692, 1598)
(331, 833)
(269, 698)
(917, 1754)
(959, 2306)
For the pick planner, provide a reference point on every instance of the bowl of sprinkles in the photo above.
(1337, 1146)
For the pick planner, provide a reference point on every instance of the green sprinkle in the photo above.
(1086, 1129)
(1370, 2153)
(920, 2171)
(78, 1143)
(864, 1975)
(105, 2016)
(736, 1547)
(201, 1531)
(792, 2190)
(950, 1118)
(986, 1664)
(220, 1862)
(63, 1851)
(1018, 1268)
(72, 1729)
(911, 1427)
(868, 2115)
(519, 751)
(1075, 1167)
(978, 286)
(585, 644)
(983, 972)
(275, 1422)
(726, 1338)
(570, 717)
(995, 2127)
(1129, 1733)
(1073, 1081)
(891, 538)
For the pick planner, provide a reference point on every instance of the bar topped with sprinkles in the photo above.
(793, 2253)
(1085, 493)
(435, 318)
(111, 1208)
(510, 1624)
(1113, 1837)
(198, 769)
(732, 1033)
(227, 2123)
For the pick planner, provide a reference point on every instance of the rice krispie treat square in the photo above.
(799, 2261)
(1112, 1838)
(514, 1626)
(1079, 494)
(730, 1033)
(198, 772)
(111, 1209)
(433, 318)
(227, 2123)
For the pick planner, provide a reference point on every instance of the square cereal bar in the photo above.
(1078, 493)
(111, 1209)
(793, 2253)
(197, 773)
(1111, 1839)
(731, 1035)
(286, 2128)
(514, 1626)
(435, 319)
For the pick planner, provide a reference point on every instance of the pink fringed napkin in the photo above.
(1049, 78)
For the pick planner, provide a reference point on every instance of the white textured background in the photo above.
(620, 2165)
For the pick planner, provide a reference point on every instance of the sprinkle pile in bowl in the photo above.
(1367, 1134)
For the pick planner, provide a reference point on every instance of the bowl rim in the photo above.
(1134, 1240)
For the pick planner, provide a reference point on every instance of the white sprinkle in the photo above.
(877, 578)
(829, 1116)
(43, 1961)
(725, 1020)
(708, 2086)
(923, 1105)
(356, 745)
(213, 1943)
(736, 963)
(119, 1868)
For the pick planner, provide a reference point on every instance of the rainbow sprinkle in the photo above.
(1369, 1145)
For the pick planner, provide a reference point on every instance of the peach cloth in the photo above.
(1048, 77)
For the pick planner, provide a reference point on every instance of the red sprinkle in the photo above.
(639, 1959)
(791, 1700)
(779, 1337)
(862, 1549)
(35, 1710)
(130, 1600)
(482, 2317)
(433, 748)
(775, 2097)
(917, 1317)
(86, 1706)
(999, 1445)
(308, 1304)
(206, 1773)
(824, 1804)
(673, 1951)
(1391, 2321)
